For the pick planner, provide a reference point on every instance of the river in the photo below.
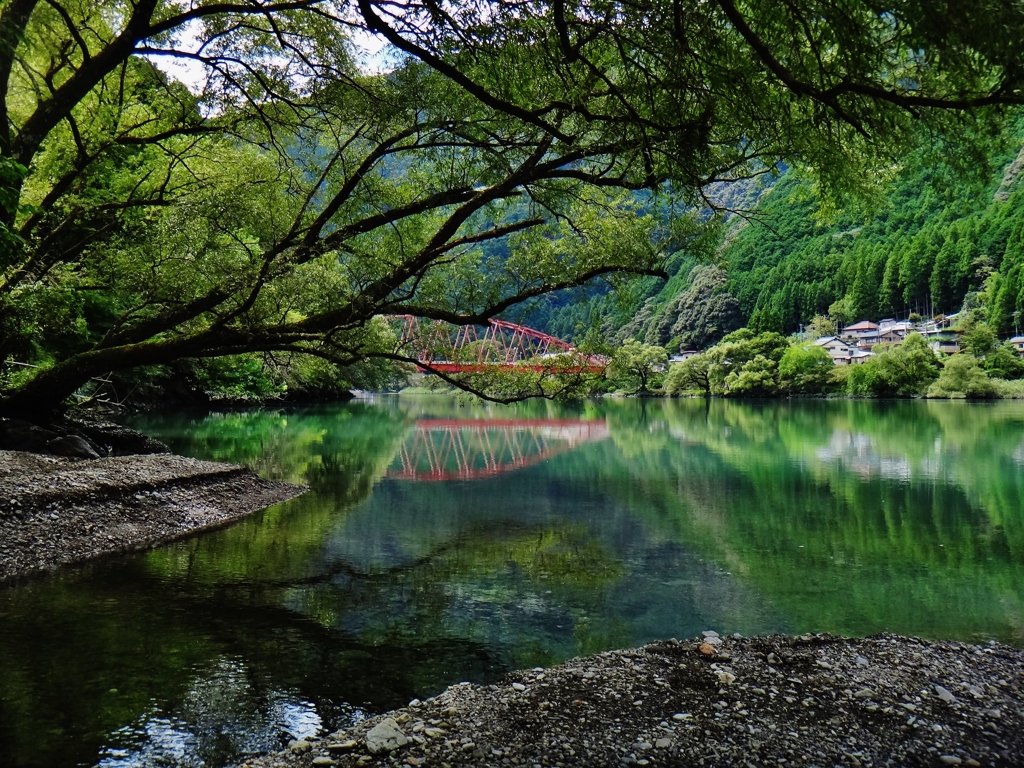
(444, 540)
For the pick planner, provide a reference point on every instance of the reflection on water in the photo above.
(443, 541)
(221, 717)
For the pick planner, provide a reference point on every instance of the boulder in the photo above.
(72, 446)
(18, 435)
(386, 736)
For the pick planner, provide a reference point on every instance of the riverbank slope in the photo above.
(794, 701)
(55, 511)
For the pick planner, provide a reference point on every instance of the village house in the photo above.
(842, 352)
(686, 354)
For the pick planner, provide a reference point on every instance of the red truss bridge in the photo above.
(455, 449)
(497, 346)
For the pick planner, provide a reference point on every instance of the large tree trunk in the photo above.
(44, 396)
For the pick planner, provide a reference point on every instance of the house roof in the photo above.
(1017, 340)
(863, 325)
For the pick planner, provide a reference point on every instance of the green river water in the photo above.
(445, 540)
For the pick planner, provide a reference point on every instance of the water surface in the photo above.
(444, 540)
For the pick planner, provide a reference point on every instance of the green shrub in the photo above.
(961, 377)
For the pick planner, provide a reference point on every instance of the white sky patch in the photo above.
(371, 53)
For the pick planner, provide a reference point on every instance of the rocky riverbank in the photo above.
(781, 701)
(57, 510)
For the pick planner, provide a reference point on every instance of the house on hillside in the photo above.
(1018, 344)
(842, 352)
(860, 330)
(947, 346)
(894, 331)
(686, 354)
(863, 334)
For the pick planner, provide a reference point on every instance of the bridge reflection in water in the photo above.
(462, 449)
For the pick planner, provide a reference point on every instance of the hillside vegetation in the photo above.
(933, 241)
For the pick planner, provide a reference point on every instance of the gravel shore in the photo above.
(55, 511)
(814, 700)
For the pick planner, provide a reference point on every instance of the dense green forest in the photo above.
(932, 241)
(255, 227)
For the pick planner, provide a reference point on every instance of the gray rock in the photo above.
(300, 746)
(385, 737)
(663, 743)
(518, 687)
(72, 446)
(323, 761)
(344, 746)
(709, 633)
(950, 760)
(944, 694)
(17, 435)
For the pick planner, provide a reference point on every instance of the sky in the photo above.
(372, 57)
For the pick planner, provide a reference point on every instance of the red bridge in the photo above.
(454, 449)
(500, 345)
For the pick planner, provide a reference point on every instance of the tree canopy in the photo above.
(289, 201)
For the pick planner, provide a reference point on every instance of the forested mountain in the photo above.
(934, 240)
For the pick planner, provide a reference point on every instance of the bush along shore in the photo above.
(813, 700)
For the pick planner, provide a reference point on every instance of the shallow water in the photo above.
(444, 540)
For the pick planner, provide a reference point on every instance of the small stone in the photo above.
(450, 712)
(641, 745)
(663, 743)
(773, 659)
(726, 678)
(706, 649)
(975, 691)
(950, 760)
(823, 664)
(713, 640)
(343, 746)
(862, 662)
(518, 687)
(415, 703)
(385, 737)
(323, 761)
(709, 633)
(413, 760)
(864, 693)
(944, 694)
(972, 762)
(300, 747)
(681, 716)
